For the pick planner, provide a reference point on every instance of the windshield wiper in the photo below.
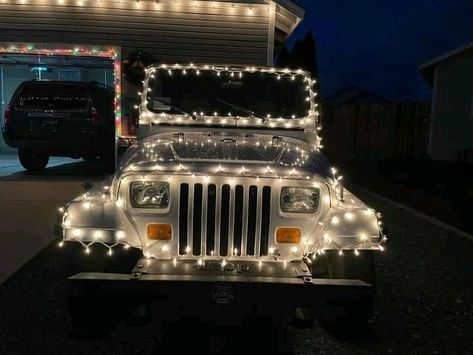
(178, 109)
(241, 109)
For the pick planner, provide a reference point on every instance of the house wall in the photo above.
(173, 31)
(451, 136)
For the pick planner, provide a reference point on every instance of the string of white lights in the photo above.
(310, 121)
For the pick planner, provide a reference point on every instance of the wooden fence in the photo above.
(376, 131)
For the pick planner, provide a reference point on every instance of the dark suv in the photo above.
(60, 118)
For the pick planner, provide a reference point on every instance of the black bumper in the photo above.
(80, 145)
(215, 298)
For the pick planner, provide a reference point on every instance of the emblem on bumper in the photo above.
(223, 293)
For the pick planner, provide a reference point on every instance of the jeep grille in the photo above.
(217, 219)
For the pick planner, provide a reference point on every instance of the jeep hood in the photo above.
(204, 149)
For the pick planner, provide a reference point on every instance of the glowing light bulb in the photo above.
(349, 216)
(340, 252)
(119, 203)
(335, 220)
(98, 235)
(235, 252)
(294, 250)
(110, 252)
(87, 250)
(271, 251)
(86, 205)
(357, 253)
(165, 248)
(120, 235)
(61, 244)
(76, 233)
(188, 249)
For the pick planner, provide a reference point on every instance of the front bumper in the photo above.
(217, 295)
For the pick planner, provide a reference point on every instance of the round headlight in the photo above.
(149, 194)
(300, 199)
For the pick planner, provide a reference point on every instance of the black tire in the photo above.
(32, 160)
(95, 312)
(350, 313)
(91, 314)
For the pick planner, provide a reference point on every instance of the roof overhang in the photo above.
(428, 68)
(288, 16)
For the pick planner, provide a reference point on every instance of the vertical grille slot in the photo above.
(252, 200)
(238, 223)
(225, 219)
(197, 220)
(183, 211)
(211, 205)
(222, 218)
(265, 220)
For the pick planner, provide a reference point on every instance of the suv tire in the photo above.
(31, 160)
(353, 313)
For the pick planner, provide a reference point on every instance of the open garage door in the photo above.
(59, 105)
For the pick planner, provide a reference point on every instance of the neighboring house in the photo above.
(65, 35)
(451, 132)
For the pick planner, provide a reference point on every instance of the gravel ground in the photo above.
(425, 294)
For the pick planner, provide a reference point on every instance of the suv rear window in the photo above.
(53, 96)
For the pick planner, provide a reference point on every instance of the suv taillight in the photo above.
(7, 115)
(94, 116)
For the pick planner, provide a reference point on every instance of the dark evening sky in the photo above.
(378, 45)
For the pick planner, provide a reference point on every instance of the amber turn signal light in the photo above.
(159, 231)
(288, 235)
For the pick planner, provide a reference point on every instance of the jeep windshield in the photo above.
(212, 93)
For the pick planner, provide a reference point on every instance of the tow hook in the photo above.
(135, 276)
(307, 279)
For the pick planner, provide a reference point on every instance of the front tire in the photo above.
(351, 313)
(32, 160)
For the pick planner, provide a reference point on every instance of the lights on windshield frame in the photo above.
(310, 122)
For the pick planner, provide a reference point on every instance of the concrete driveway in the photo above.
(29, 201)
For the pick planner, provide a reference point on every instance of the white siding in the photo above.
(208, 32)
(451, 126)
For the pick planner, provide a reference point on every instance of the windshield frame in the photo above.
(308, 122)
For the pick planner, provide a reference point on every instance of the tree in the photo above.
(304, 54)
(282, 58)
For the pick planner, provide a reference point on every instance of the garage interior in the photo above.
(17, 68)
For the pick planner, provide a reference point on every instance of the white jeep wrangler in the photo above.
(231, 204)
